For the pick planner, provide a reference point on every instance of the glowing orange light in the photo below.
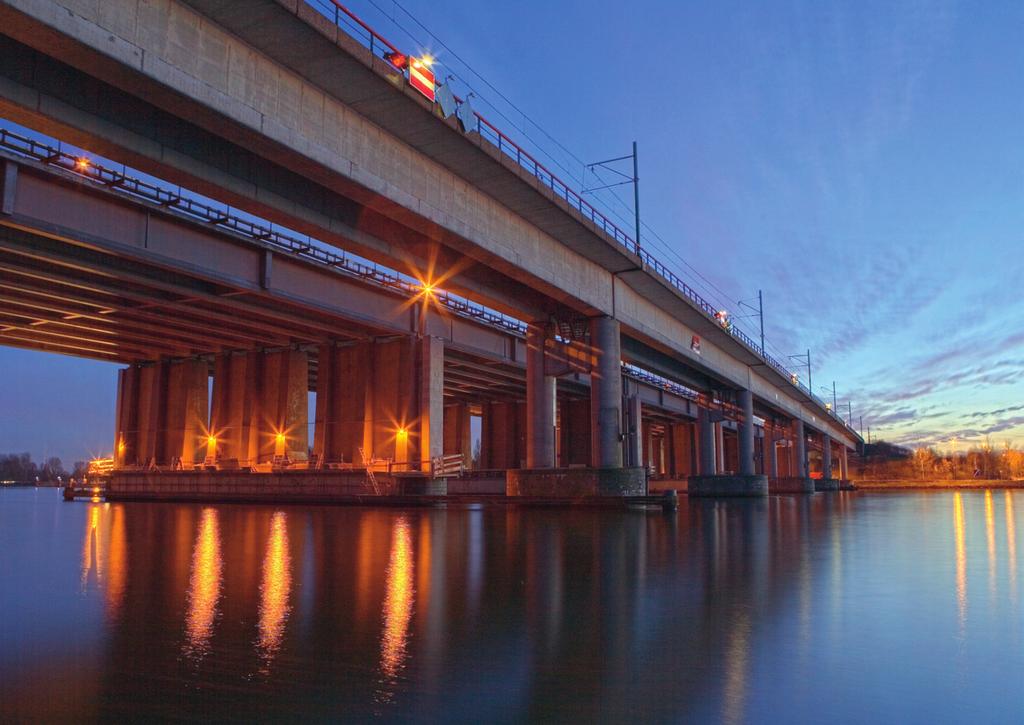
(82, 163)
(397, 59)
(402, 433)
(120, 446)
(211, 441)
(279, 438)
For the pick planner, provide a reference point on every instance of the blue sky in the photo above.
(862, 163)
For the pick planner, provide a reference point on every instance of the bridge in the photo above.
(268, 207)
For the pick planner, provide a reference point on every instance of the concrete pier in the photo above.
(746, 449)
(540, 402)
(606, 394)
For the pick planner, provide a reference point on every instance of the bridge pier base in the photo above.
(790, 485)
(826, 484)
(576, 482)
(728, 486)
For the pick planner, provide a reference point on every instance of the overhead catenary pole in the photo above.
(625, 178)
(835, 405)
(636, 197)
(760, 313)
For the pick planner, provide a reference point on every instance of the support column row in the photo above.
(161, 413)
(382, 399)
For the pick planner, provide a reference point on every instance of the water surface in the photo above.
(835, 607)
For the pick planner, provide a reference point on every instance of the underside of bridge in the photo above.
(228, 310)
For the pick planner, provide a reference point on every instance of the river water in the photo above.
(849, 607)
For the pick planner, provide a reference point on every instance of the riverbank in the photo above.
(963, 483)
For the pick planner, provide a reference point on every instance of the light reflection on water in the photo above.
(398, 601)
(275, 590)
(725, 611)
(204, 585)
(1011, 547)
(960, 537)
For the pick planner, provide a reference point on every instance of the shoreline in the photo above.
(903, 484)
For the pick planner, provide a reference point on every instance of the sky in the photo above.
(861, 163)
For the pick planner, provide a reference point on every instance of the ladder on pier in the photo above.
(369, 471)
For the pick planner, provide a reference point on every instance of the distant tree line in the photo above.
(20, 468)
(885, 461)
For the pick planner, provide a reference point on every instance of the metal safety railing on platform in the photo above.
(446, 466)
(380, 47)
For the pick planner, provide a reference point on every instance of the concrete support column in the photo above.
(540, 403)
(344, 402)
(746, 452)
(634, 432)
(184, 418)
(772, 450)
(575, 433)
(233, 430)
(706, 443)
(457, 434)
(826, 455)
(430, 409)
(283, 423)
(647, 443)
(152, 403)
(844, 464)
(393, 397)
(800, 448)
(606, 393)
(503, 435)
(681, 450)
(126, 434)
(719, 447)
